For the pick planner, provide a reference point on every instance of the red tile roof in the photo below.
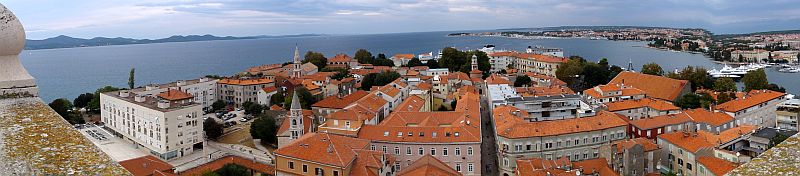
(690, 141)
(428, 166)
(495, 79)
(147, 166)
(403, 56)
(324, 148)
(412, 103)
(753, 98)
(219, 163)
(599, 165)
(509, 125)
(340, 58)
(655, 86)
(544, 91)
(656, 104)
(173, 95)
(270, 89)
(708, 117)
(647, 144)
(337, 102)
(716, 165)
(369, 162)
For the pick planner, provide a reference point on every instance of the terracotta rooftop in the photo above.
(337, 102)
(647, 144)
(412, 103)
(660, 121)
(495, 79)
(403, 56)
(428, 166)
(368, 162)
(656, 104)
(535, 166)
(655, 86)
(340, 58)
(716, 165)
(597, 91)
(543, 91)
(173, 95)
(708, 117)
(324, 148)
(510, 125)
(147, 166)
(219, 163)
(245, 82)
(599, 165)
(270, 89)
(753, 98)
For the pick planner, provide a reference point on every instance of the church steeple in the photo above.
(296, 70)
(474, 62)
(475, 73)
(297, 127)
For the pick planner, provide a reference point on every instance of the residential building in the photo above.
(335, 103)
(168, 125)
(557, 52)
(576, 139)
(526, 62)
(342, 61)
(453, 137)
(757, 55)
(788, 112)
(634, 157)
(401, 59)
(642, 108)
(654, 86)
(612, 93)
(321, 154)
(765, 138)
(429, 165)
(551, 107)
(758, 107)
(265, 95)
(683, 149)
(651, 127)
(236, 91)
(712, 166)
(203, 90)
(435, 72)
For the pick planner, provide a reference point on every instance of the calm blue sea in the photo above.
(69, 72)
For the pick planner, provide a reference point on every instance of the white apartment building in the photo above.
(788, 112)
(238, 91)
(758, 108)
(203, 90)
(169, 125)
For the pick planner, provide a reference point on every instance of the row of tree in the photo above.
(581, 75)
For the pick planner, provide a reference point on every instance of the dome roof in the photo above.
(12, 35)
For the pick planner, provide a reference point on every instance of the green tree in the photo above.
(775, 87)
(779, 137)
(233, 170)
(698, 76)
(212, 128)
(252, 108)
(378, 79)
(265, 128)
(594, 74)
(725, 97)
(94, 105)
(341, 74)
(131, 79)
(64, 108)
(432, 64)
(603, 62)
(218, 105)
(306, 99)
(652, 69)
(363, 56)
(706, 100)
(316, 58)
(277, 99)
(569, 72)
(724, 85)
(522, 80)
(414, 62)
(755, 80)
(82, 100)
(688, 101)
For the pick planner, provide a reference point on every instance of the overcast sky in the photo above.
(163, 18)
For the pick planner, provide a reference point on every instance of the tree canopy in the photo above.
(83, 100)
(455, 60)
(580, 74)
(306, 99)
(652, 69)
(94, 105)
(131, 79)
(688, 101)
(64, 108)
(212, 128)
(378, 79)
(252, 108)
(724, 85)
(218, 105)
(414, 62)
(522, 80)
(265, 128)
(755, 80)
(432, 64)
(698, 76)
(365, 57)
(316, 58)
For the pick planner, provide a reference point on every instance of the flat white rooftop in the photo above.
(118, 149)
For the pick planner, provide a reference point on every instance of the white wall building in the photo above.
(203, 90)
(168, 125)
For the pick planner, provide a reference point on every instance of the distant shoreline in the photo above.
(62, 42)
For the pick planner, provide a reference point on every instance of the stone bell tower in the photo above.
(14, 79)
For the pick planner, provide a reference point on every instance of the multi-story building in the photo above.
(237, 91)
(526, 62)
(642, 108)
(712, 166)
(758, 107)
(168, 124)
(453, 137)
(401, 59)
(634, 157)
(335, 103)
(654, 86)
(576, 139)
(613, 93)
(322, 154)
(342, 61)
(551, 107)
(557, 52)
(750, 55)
(203, 90)
(788, 112)
(765, 138)
(682, 149)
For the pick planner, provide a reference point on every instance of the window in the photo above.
(408, 150)
(291, 165)
(469, 151)
(470, 167)
(397, 166)
(397, 150)
(372, 147)
(421, 151)
(383, 148)
(458, 151)
(444, 151)
(528, 147)
(335, 173)
(433, 151)
(305, 168)
(458, 167)
(689, 166)
(505, 161)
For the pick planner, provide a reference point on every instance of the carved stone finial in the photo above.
(14, 79)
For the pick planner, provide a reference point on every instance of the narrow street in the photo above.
(488, 143)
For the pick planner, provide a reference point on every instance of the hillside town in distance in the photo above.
(472, 112)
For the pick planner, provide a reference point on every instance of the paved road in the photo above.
(488, 145)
